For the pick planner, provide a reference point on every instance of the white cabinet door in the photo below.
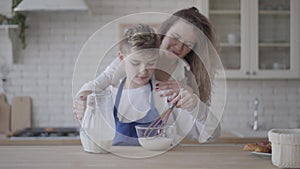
(259, 38)
(229, 18)
(275, 46)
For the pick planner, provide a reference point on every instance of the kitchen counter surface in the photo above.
(208, 156)
(224, 139)
(20, 142)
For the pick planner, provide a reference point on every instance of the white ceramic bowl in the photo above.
(285, 147)
(155, 138)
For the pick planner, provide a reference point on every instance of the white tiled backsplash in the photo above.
(44, 69)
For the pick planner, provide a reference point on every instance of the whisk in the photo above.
(161, 121)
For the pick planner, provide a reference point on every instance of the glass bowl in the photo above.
(156, 138)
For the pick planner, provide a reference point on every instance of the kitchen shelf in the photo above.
(274, 45)
(221, 12)
(230, 45)
(264, 12)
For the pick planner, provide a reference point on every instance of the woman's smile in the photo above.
(177, 53)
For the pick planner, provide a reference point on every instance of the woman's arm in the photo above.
(198, 124)
(99, 84)
(103, 80)
(207, 126)
(182, 77)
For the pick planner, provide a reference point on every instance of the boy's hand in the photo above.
(79, 104)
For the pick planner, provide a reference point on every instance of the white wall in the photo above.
(279, 103)
(44, 69)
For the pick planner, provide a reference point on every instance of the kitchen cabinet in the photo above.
(259, 38)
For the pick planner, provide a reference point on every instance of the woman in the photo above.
(179, 37)
(173, 32)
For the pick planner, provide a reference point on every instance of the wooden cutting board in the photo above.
(4, 115)
(20, 113)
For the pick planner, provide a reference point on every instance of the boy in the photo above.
(134, 101)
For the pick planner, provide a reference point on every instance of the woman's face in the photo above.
(180, 39)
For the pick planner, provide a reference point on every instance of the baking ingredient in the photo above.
(155, 143)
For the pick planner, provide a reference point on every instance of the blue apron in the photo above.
(125, 132)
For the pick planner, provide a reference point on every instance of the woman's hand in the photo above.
(184, 100)
(79, 104)
(169, 86)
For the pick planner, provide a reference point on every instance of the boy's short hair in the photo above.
(138, 37)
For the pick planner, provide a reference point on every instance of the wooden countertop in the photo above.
(227, 140)
(208, 156)
(224, 139)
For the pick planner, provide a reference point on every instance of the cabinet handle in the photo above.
(247, 73)
(253, 73)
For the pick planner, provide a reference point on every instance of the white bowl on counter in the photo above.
(155, 138)
(285, 147)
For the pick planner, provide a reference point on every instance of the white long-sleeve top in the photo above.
(199, 124)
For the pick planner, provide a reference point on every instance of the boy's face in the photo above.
(139, 66)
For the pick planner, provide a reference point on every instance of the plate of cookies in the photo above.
(262, 149)
(262, 155)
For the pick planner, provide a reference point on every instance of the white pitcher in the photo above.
(98, 125)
